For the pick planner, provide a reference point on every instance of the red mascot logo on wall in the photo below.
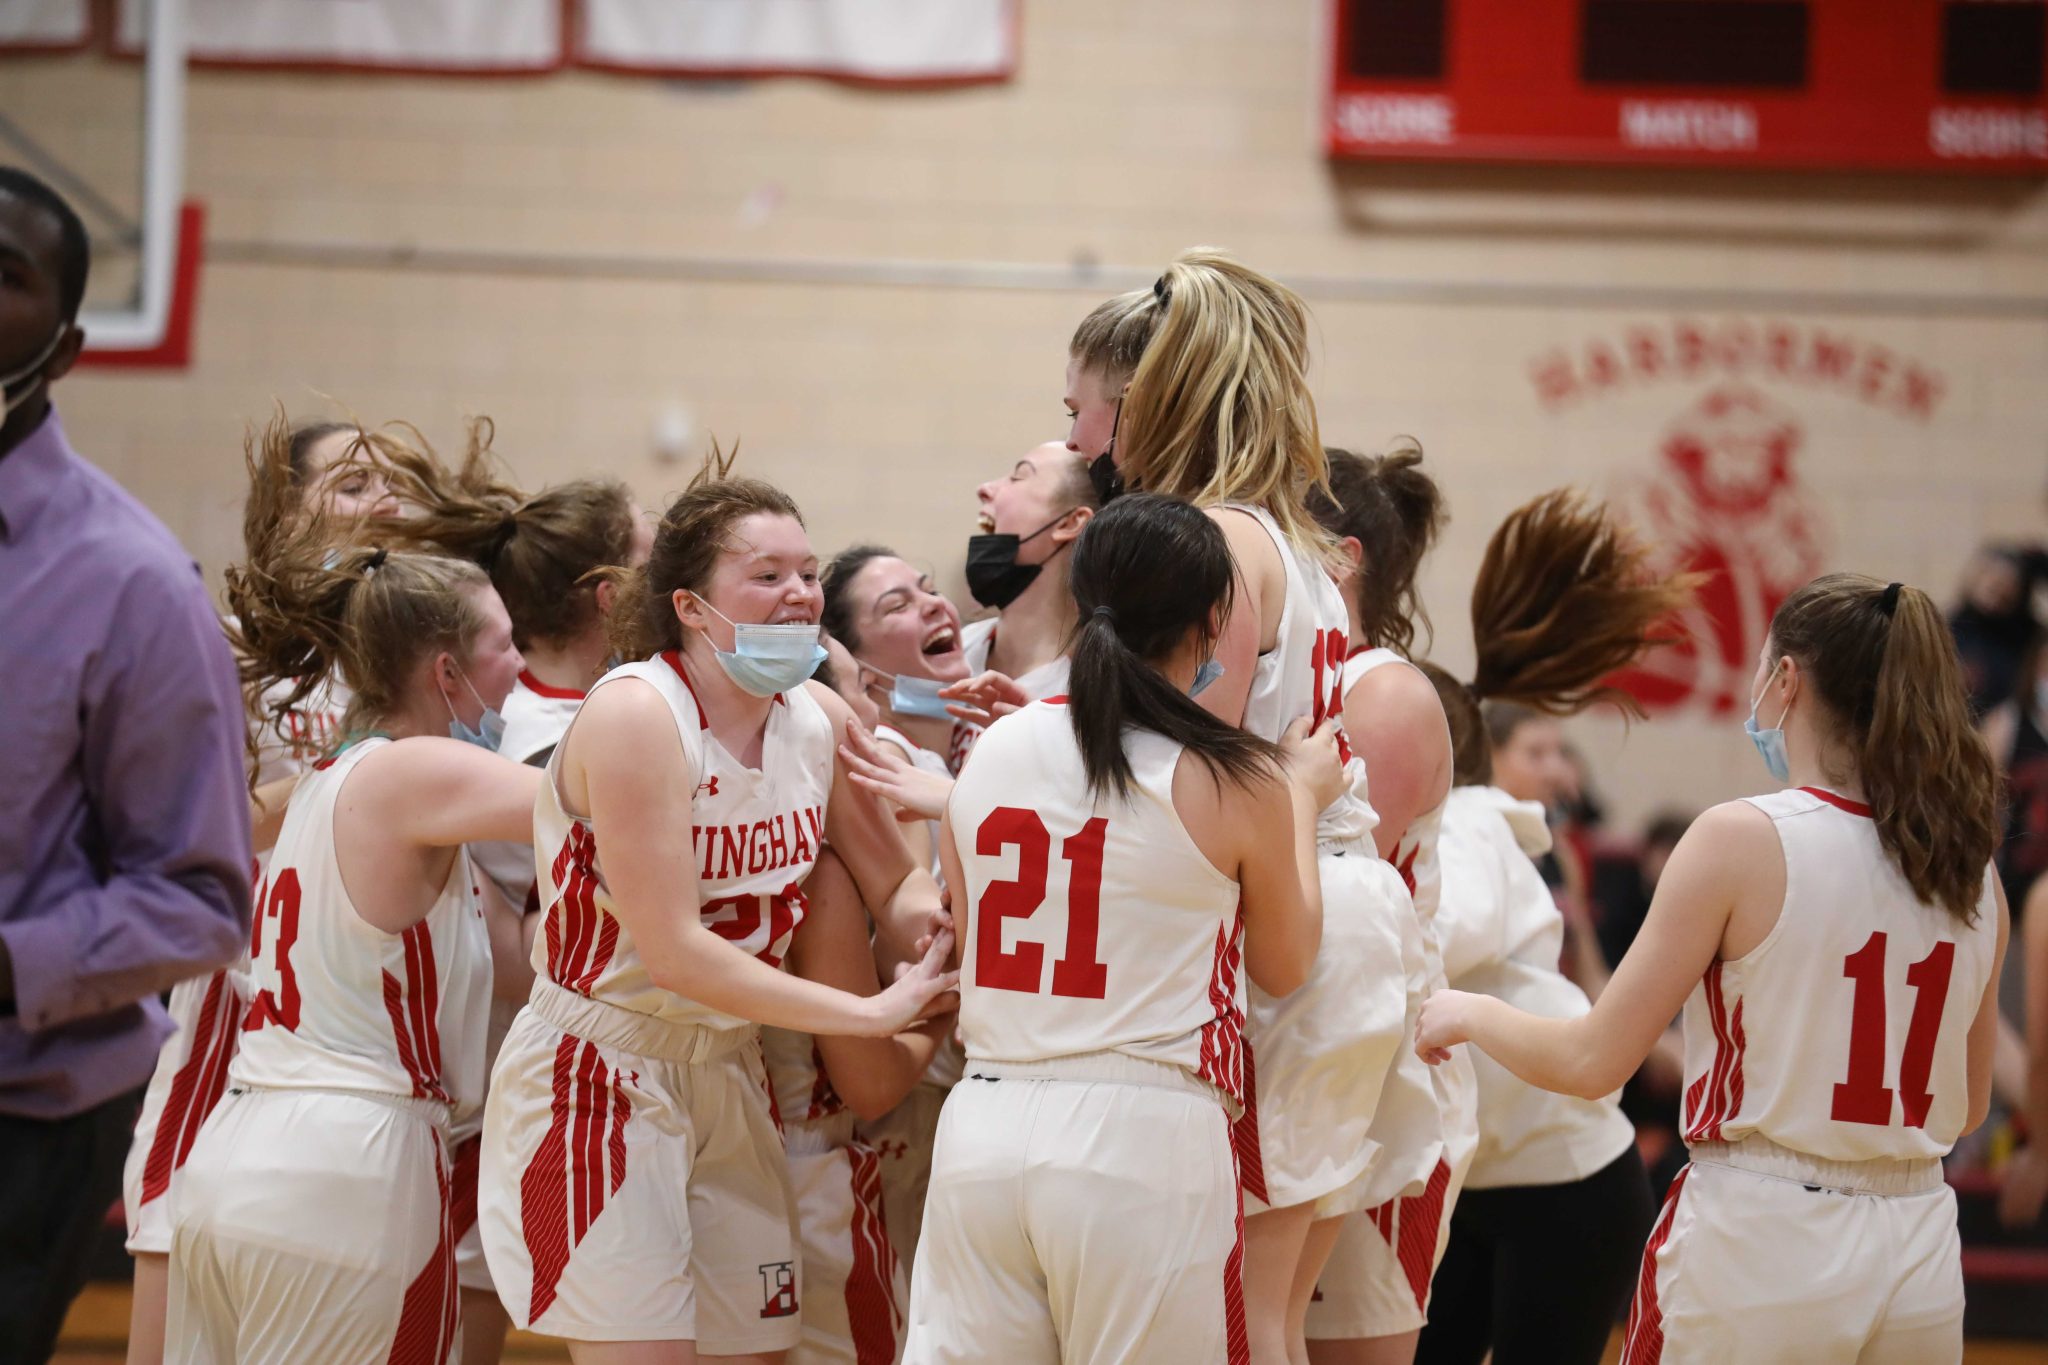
(1721, 495)
(1725, 501)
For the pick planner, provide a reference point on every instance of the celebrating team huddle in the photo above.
(676, 945)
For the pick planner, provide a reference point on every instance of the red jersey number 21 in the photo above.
(1079, 973)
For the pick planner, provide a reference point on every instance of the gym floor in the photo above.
(97, 1333)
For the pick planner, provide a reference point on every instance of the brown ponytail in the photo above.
(1884, 668)
(687, 545)
(540, 549)
(1565, 596)
(1395, 512)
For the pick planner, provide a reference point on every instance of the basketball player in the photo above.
(331, 469)
(906, 640)
(1029, 519)
(542, 551)
(1084, 1202)
(1373, 1293)
(1204, 376)
(850, 1282)
(314, 1217)
(1836, 948)
(1535, 1271)
(634, 1198)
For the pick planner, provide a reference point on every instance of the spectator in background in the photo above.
(1624, 879)
(124, 822)
(1532, 762)
(1994, 622)
(2017, 733)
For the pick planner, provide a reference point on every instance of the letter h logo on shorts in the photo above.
(778, 1289)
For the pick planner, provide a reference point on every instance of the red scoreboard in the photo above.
(1870, 84)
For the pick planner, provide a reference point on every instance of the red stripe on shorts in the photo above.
(1237, 1339)
(468, 1164)
(579, 1165)
(871, 1308)
(544, 1192)
(426, 1320)
(1421, 1223)
(1643, 1342)
(1244, 1134)
(194, 1090)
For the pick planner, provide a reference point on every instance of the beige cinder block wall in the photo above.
(872, 291)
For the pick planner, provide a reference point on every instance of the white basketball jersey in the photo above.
(338, 1004)
(1086, 925)
(303, 735)
(1859, 1002)
(755, 834)
(1502, 935)
(1415, 857)
(1303, 675)
(536, 717)
(978, 641)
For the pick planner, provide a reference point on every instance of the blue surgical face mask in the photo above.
(1209, 672)
(1770, 744)
(490, 731)
(766, 660)
(909, 696)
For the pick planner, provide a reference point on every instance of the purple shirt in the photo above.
(124, 818)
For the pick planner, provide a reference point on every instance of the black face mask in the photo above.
(993, 574)
(1102, 472)
(1104, 479)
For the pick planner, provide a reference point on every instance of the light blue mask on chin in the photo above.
(1209, 672)
(1770, 744)
(914, 697)
(767, 660)
(490, 726)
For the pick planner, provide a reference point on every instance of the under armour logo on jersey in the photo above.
(710, 787)
(778, 1289)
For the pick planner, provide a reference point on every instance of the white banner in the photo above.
(45, 23)
(911, 41)
(464, 36)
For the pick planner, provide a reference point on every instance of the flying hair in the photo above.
(304, 610)
(542, 550)
(1565, 597)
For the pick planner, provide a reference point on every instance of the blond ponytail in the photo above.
(1219, 408)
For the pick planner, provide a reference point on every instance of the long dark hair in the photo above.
(1147, 570)
(1891, 690)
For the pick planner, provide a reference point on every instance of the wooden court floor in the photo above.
(97, 1330)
